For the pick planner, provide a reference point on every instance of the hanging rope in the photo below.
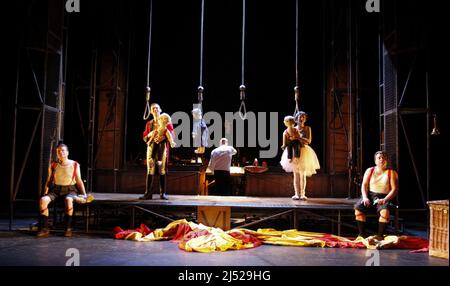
(200, 88)
(242, 108)
(296, 88)
(199, 128)
(148, 89)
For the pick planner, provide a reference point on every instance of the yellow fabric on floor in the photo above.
(372, 243)
(217, 240)
(292, 237)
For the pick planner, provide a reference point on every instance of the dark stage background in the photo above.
(175, 56)
(111, 26)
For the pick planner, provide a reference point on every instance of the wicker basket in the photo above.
(438, 246)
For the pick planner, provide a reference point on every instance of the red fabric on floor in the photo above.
(119, 233)
(182, 231)
(246, 238)
(412, 242)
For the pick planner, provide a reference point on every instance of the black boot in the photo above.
(68, 232)
(162, 187)
(44, 230)
(361, 228)
(381, 229)
(148, 188)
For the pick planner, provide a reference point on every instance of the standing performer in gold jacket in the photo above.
(156, 160)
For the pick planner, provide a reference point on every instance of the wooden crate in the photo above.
(214, 216)
(438, 245)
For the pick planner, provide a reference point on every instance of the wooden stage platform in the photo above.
(226, 201)
(216, 210)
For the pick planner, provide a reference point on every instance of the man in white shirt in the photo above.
(220, 163)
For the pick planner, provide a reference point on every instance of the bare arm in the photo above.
(394, 187)
(365, 187)
(170, 138)
(48, 180)
(79, 181)
(285, 135)
(308, 138)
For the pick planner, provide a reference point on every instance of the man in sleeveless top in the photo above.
(379, 188)
(64, 179)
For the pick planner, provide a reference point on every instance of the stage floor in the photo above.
(22, 248)
(227, 201)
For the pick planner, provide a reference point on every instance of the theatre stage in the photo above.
(216, 210)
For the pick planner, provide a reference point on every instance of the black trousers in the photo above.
(223, 183)
(293, 149)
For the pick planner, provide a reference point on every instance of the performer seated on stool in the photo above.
(63, 180)
(157, 152)
(220, 163)
(379, 187)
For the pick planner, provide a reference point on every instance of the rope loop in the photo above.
(243, 115)
(147, 105)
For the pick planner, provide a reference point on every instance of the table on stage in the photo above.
(207, 179)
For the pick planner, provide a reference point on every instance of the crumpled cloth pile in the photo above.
(200, 238)
(192, 236)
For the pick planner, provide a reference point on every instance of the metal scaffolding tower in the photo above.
(39, 99)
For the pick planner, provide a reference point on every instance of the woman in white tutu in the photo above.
(305, 165)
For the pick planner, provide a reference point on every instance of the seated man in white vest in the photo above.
(64, 179)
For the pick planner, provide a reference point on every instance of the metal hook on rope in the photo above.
(147, 105)
(200, 90)
(242, 115)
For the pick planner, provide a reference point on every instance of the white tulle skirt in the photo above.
(307, 162)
